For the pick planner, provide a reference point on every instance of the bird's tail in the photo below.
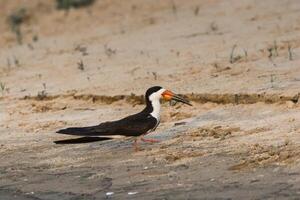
(81, 131)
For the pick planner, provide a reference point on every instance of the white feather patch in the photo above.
(155, 101)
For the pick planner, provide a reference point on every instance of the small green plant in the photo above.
(109, 51)
(67, 4)
(290, 52)
(80, 65)
(272, 80)
(273, 51)
(234, 58)
(154, 75)
(16, 61)
(81, 49)
(2, 87)
(15, 20)
(42, 94)
(246, 54)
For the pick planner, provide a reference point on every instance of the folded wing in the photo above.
(133, 125)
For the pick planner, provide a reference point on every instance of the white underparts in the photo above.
(155, 101)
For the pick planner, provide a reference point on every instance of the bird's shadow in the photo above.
(81, 140)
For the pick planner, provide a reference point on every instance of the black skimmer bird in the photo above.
(135, 125)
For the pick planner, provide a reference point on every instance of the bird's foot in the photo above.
(150, 140)
(136, 146)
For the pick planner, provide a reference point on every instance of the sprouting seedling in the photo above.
(81, 49)
(272, 79)
(234, 58)
(270, 53)
(15, 20)
(290, 52)
(42, 94)
(108, 51)
(273, 51)
(275, 48)
(44, 86)
(2, 87)
(155, 75)
(246, 54)
(16, 61)
(231, 54)
(80, 65)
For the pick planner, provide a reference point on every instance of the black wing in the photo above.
(133, 125)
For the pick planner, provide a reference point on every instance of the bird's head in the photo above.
(156, 93)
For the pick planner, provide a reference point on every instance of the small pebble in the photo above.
(29, 193)
(109, 193)
(132, 193)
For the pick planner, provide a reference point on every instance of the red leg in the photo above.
(149, 140)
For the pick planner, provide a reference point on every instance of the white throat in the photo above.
(155, 101)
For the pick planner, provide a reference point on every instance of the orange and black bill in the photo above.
(168, 95)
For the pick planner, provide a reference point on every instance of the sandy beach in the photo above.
(237, 61)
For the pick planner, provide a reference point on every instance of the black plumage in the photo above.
(133, 125)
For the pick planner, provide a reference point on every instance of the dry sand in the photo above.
(238, 61)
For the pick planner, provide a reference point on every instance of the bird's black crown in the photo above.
(152, 90)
